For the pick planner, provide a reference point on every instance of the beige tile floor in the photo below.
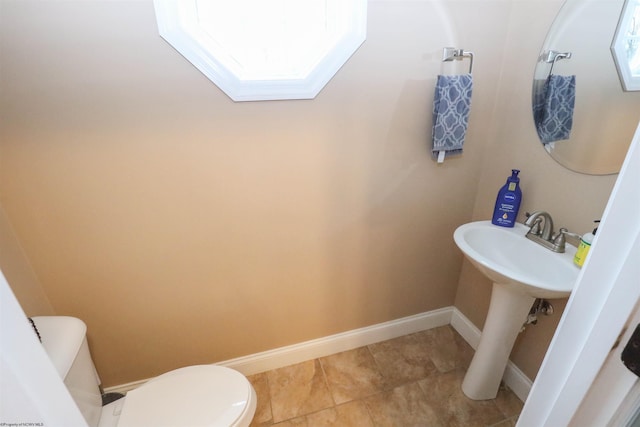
(413, 380)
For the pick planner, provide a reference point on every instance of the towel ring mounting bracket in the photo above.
(452, 53)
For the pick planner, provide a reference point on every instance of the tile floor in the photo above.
(413, 380)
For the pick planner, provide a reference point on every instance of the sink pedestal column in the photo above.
(507, 313)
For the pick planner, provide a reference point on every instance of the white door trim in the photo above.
(606, 293)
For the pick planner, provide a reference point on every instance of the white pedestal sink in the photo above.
(521, 271)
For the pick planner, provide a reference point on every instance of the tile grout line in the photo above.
(326, 381)
(266, 377)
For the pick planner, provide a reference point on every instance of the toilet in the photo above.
(201, 395)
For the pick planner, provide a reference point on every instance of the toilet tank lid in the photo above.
(61, 337)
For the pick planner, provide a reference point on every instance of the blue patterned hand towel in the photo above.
(553, 103)
(451, 105)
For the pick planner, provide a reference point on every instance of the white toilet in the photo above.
(203, 395)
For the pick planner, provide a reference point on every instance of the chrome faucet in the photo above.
(541, 231)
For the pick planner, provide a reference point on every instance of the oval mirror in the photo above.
(597, 129)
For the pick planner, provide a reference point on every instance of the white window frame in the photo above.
(178, 25)
(630, 81)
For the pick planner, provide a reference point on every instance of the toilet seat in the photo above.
(203, 395)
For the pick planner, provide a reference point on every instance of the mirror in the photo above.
(604, 116)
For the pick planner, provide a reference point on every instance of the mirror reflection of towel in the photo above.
(553, 104)
(451, 105)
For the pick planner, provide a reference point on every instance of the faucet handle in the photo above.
(535, 228)
(559, 239)
(533, 221)
(567, 233)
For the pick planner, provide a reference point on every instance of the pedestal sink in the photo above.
(521, 271)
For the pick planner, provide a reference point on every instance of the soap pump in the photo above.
(584, 247)
(507, 205)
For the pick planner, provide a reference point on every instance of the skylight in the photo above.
(625, 47)
(265, 49)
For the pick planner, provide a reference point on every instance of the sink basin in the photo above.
(505, 256)
(521, 271)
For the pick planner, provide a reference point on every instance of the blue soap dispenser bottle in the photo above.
(507, 205)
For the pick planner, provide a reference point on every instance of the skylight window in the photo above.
(626, 44)
(265, 49)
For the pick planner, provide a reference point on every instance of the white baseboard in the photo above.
(284, 356)
(513, 377)
(465, 328)
(124, 388)
(517, 381)
(289, 355)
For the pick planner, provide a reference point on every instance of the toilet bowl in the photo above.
(201, 395)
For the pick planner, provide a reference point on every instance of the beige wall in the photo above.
(17, 269)
(185, 228)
